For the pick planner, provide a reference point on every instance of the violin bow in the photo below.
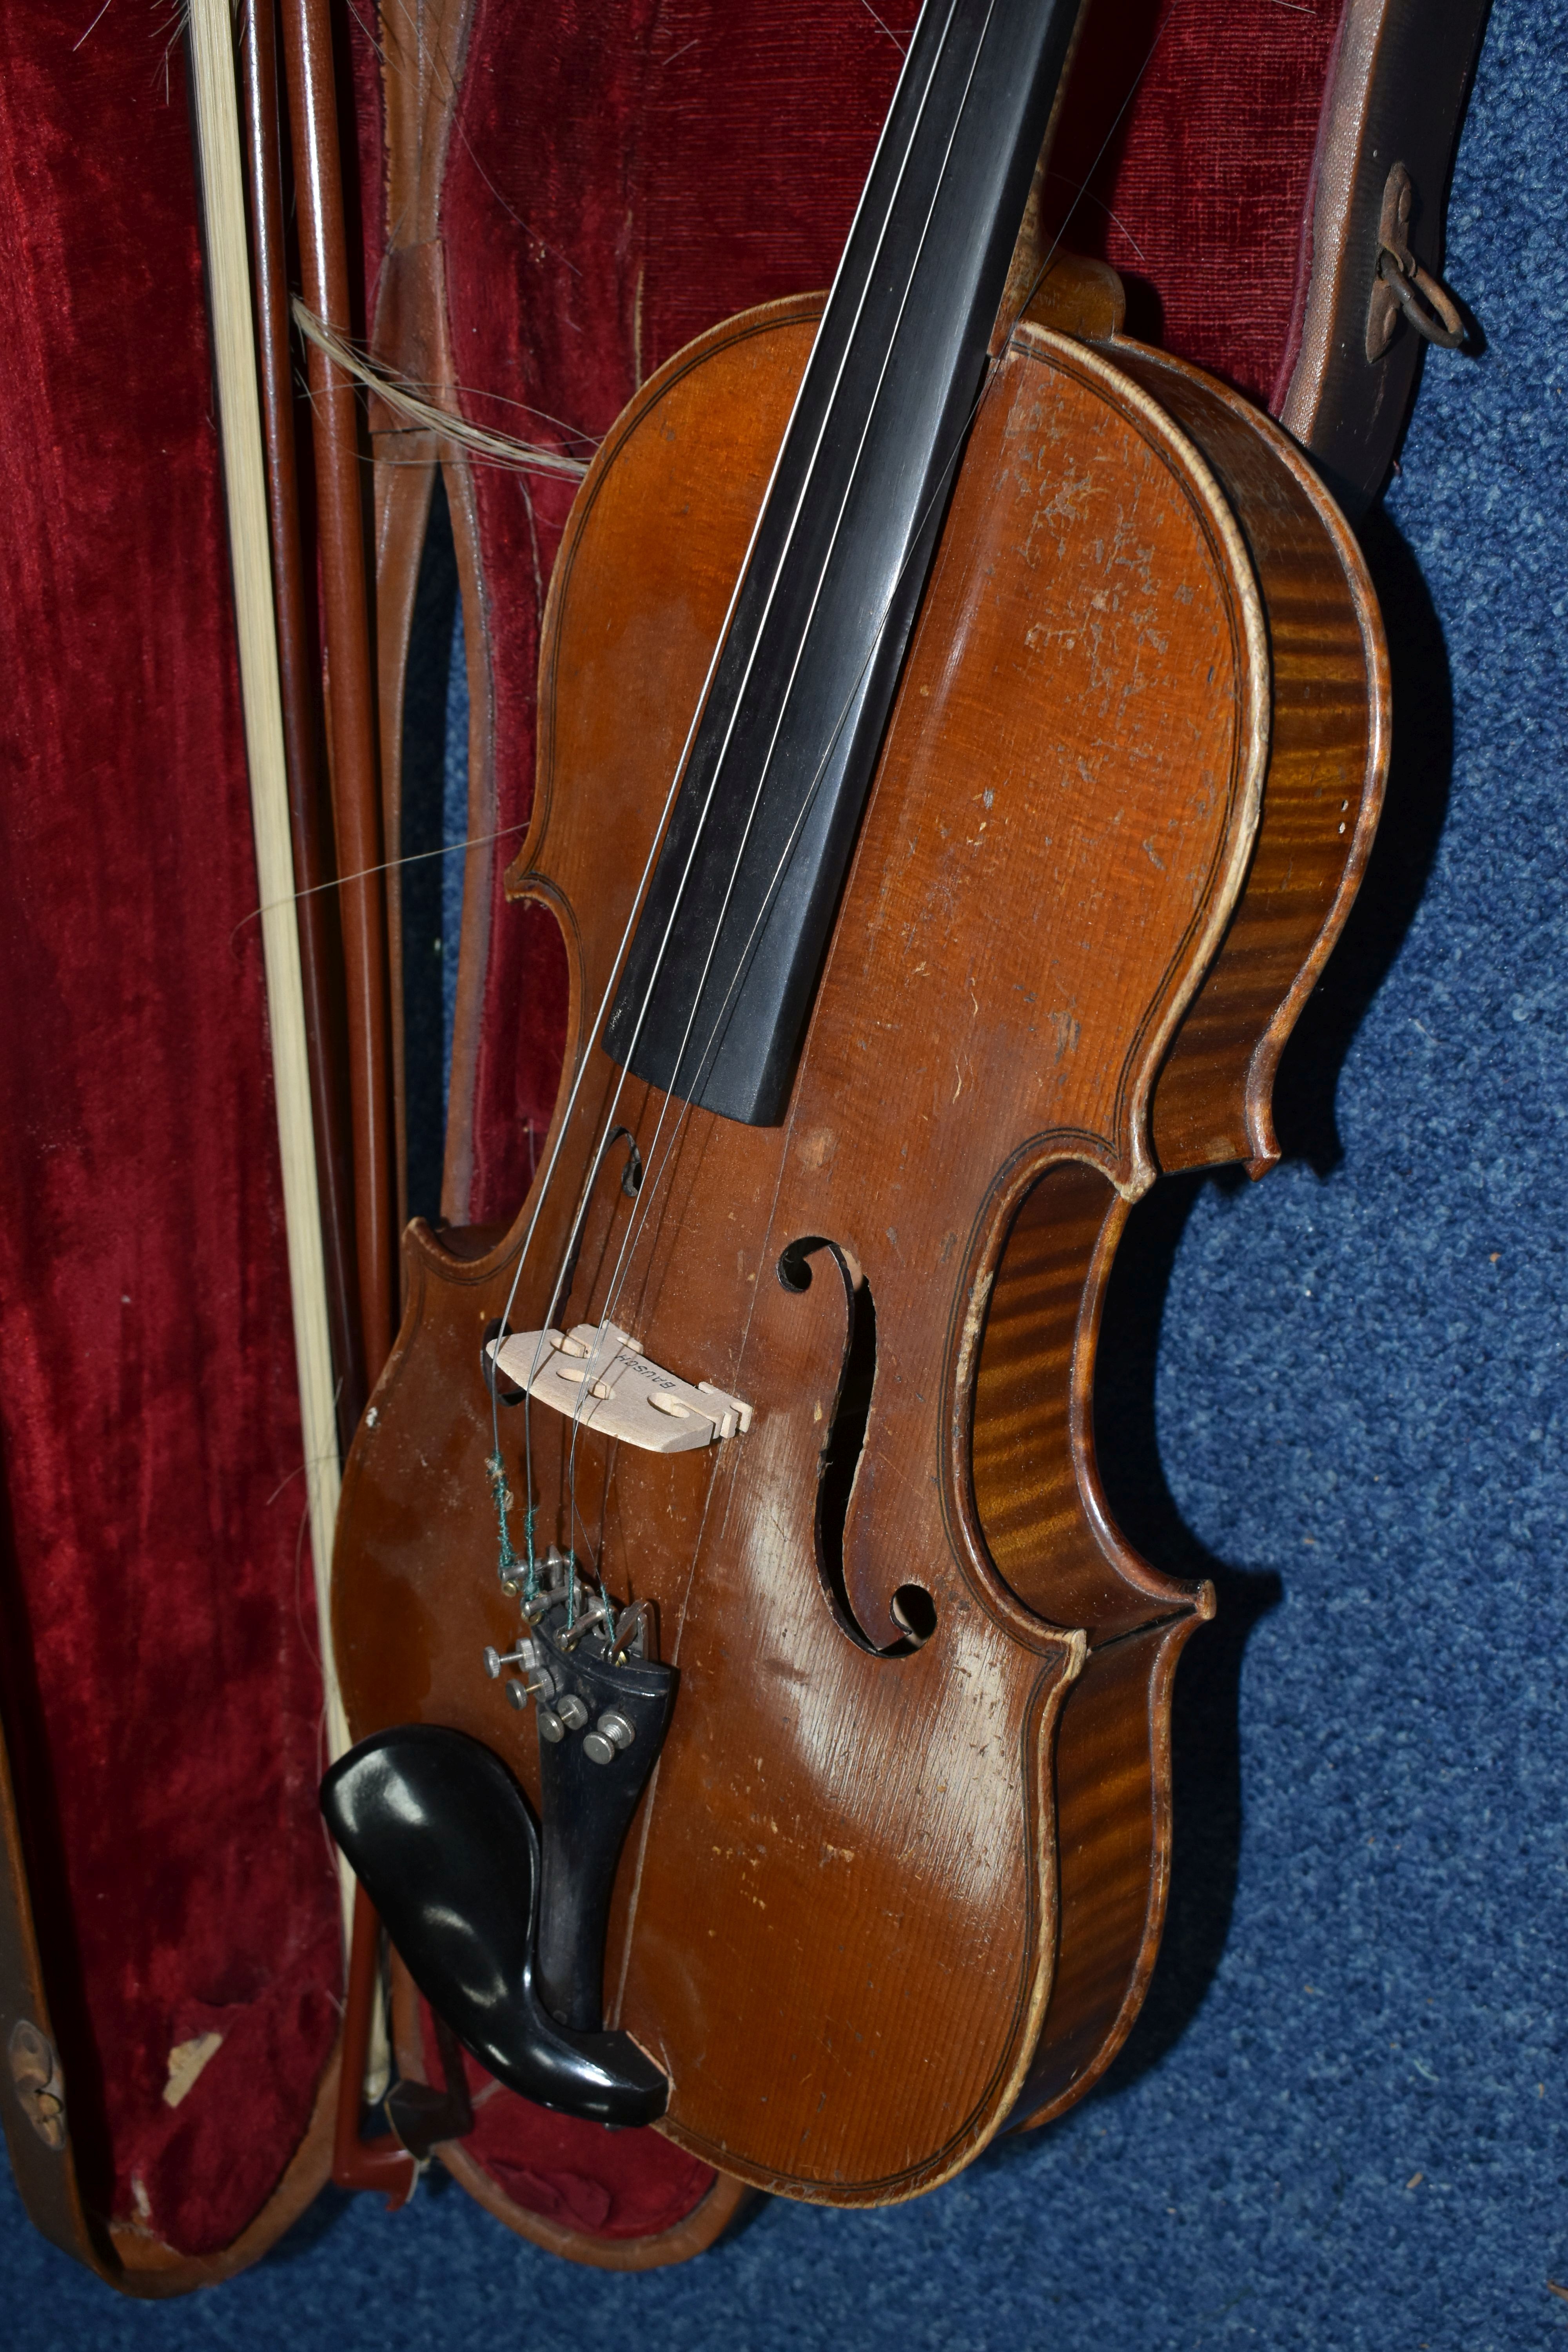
(320, 944)
(222, 190)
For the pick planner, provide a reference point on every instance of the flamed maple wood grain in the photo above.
(1039, 1499)
(1113, 1834)
(1036, 1490)
(1328, 757)
(836, 1923)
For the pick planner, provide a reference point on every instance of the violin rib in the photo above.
(887, 1892)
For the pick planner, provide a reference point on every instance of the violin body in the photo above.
(899, 1874)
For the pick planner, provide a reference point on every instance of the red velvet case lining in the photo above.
(627, 173)
(1200, 196)
(611, 2185)
(160, 1687)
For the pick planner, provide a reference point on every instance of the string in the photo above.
(649, 1190)
(647, 869)
(567, 1255)
(638, 1218)
(633, 1221)
(644, 1208)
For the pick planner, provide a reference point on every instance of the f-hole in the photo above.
(912, 1606)
(631, 1174)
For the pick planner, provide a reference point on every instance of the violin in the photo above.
(961, 731)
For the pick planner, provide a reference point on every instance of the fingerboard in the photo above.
(722, 967)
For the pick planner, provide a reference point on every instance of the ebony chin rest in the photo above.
(443, 1840)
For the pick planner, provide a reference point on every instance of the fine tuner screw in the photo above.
(611, 1733)
(496, 1659)
(519, 1694)
(568, 1714)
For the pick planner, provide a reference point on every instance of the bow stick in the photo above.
(228, 273)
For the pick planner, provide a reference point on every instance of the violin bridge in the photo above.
(595, 1372)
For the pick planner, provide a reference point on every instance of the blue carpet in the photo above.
(1341, 2122)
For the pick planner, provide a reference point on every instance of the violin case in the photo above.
(549, 201)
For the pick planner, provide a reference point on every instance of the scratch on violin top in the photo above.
(681, 52)
(901, 46)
